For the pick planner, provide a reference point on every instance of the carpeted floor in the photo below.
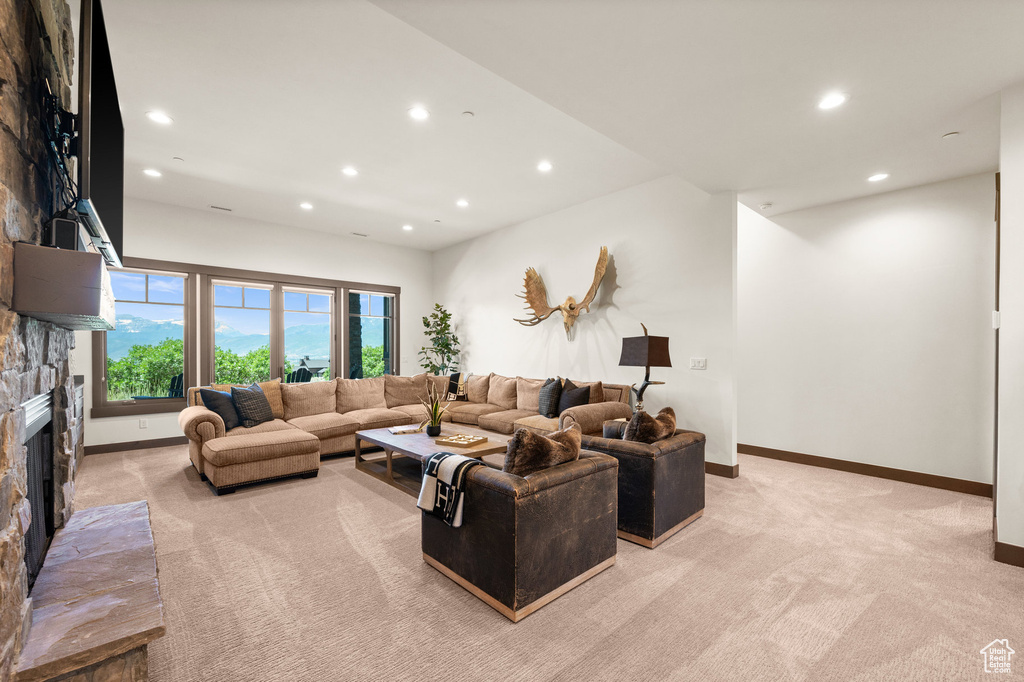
(794, 573)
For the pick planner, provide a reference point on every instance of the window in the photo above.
(142, 361)
(190, 325)
(307, 334)
(370, 318)
(241, 333)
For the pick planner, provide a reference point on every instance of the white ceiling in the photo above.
(271, 99)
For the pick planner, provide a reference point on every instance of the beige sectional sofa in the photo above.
(332, 411)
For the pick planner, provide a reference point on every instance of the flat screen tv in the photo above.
(100, 138)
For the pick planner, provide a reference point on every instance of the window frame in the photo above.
(101, 407)
(199, 337)
(393, 317)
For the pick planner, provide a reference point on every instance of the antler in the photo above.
(602, 265)
(536, 296)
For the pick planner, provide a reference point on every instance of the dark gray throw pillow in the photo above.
(550, 392)
(529, 452)
(252, 405)
(221, 403)
(573, 396)
(643, 428)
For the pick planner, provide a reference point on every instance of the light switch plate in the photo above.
(143, 423)
(698, 363)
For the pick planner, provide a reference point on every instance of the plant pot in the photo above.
(433, 431)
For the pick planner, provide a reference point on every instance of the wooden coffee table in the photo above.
(401, 463)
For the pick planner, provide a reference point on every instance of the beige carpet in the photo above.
(794, 573)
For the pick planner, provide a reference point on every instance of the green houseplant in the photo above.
(440, 357)
(434, 411)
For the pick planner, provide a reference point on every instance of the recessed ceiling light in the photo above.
(831, 100)
(544, 166)
(407, 228)
(878, 177)
(305, 205)
(462, 203)
(350, 171)
(152, 172)
(950, 134)
(419, 113)
(159, 117)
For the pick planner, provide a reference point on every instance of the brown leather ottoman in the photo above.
(232, 461)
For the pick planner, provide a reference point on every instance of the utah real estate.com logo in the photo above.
(997, 656)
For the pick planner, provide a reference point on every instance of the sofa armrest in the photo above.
(517, 487)
(616, 446)
(588, 463)
(591, 417)
(200, 423)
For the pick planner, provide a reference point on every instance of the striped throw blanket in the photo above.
(443, 479)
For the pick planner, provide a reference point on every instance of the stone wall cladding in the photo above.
(36, 45)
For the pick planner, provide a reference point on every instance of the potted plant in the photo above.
(440, 356)
(434, 411)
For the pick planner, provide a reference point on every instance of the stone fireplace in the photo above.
(34, 356)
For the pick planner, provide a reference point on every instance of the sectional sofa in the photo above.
(320, 418)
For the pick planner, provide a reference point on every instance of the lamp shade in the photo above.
(645, 351)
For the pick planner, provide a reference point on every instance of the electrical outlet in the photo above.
(698, 363)
(143, 423)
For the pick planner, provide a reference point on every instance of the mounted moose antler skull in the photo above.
(536, 296)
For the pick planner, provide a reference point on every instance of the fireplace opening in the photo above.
(39, 443)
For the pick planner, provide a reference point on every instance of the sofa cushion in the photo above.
(529, 452)
(257, 447)
(573, 396)
(271, 389)
(405, 390)
(360, 394)
(501, 391)
(418, 412)
(377, 418)
(596, 390)
(547, 399)
(537, 423)
(477, 386)
(440, 383)
(503, 422)
(326, 425)
(302, 400)
(528, 393)
(469, 413)
(643, 428)
(223, 404)
(265, 427)
(253, 407)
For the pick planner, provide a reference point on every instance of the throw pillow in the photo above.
(457, 387)
(643, 428)
(550, 392)
(221, 403)
(252, 405)
(529, 452)
(572, 396)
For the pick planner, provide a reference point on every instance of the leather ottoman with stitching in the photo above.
(232, 461)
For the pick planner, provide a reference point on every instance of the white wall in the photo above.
(173, 233)
(865, 329)
(1010, 478)
(672, 268)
